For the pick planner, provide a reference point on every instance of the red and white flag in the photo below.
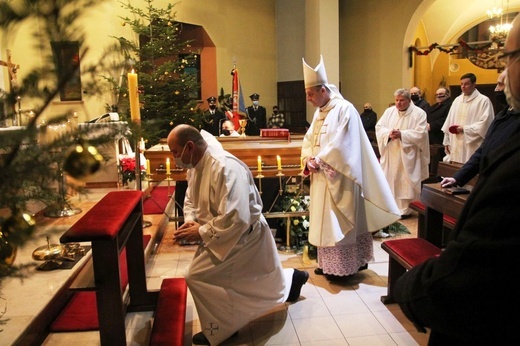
(239, 107)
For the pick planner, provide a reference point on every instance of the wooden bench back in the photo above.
(446, 169)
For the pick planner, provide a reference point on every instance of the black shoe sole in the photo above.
(200, 339)
(318, 271)
(299, 279)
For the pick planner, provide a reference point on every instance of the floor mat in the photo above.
(158, 200)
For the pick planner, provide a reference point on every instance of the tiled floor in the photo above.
(345, 312)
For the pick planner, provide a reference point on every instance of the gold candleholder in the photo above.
(280, 175)
(259, 176)
(169, 179)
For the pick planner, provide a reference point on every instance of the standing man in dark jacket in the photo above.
(213, 118)
(368, 118)
(418, 100)
(436, 115)
(467, 295)
(256, 117)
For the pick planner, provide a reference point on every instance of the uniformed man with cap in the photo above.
(256, 117)
(213, 118)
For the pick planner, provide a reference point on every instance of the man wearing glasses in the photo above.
(437, 114)
(466, 296)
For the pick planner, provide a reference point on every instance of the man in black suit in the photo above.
(436, 115)
(467, 295)
(256, 117)
(214, 117)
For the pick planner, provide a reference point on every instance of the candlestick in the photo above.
(259, 164)
(279, 161)
(168, 166)
(148, 167)
(133, 95)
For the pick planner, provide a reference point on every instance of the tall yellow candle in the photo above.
(148, 167)
(168, 166)
(301, 162)
(133, 96)
(259, 163)
(279, 161)
(142, 146)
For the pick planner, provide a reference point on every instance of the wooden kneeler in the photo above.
(405, 254)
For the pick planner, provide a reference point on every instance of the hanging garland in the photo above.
(498, 41)
(462, 43)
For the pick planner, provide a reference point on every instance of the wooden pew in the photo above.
(446, 169)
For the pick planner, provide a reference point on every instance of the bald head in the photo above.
(512, 50)
(186, 142)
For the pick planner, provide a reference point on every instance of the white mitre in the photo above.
(314, 76)
(318, 76)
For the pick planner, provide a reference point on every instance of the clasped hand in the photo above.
(395, 134)
(188, 232)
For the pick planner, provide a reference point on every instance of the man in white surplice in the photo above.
(349, 196)
(236, 274)
(402, 139)
(468, 120)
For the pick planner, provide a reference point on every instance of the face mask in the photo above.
(212, 107)
(500, 96)
(510, 98)
(226, 132)
(255, 103)
(415, 98)
(180, 164)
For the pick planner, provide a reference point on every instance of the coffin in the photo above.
(248, 149)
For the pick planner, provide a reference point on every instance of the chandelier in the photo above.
(499, 31)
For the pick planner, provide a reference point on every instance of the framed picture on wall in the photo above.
(66, 58)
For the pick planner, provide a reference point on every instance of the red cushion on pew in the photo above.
(116, 206)
(169, 319)
(418, 206)
(450, 220)
(413, 251)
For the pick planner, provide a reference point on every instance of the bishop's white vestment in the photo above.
(475, 113)
(353, 201)
(404, 161)
(236, 274)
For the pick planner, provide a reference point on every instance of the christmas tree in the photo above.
(164, 63)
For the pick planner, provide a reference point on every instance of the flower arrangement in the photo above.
(299, 225)
(127, 165)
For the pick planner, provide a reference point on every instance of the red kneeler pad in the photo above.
(80, 313)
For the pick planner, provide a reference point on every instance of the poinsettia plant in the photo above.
(127, 165)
